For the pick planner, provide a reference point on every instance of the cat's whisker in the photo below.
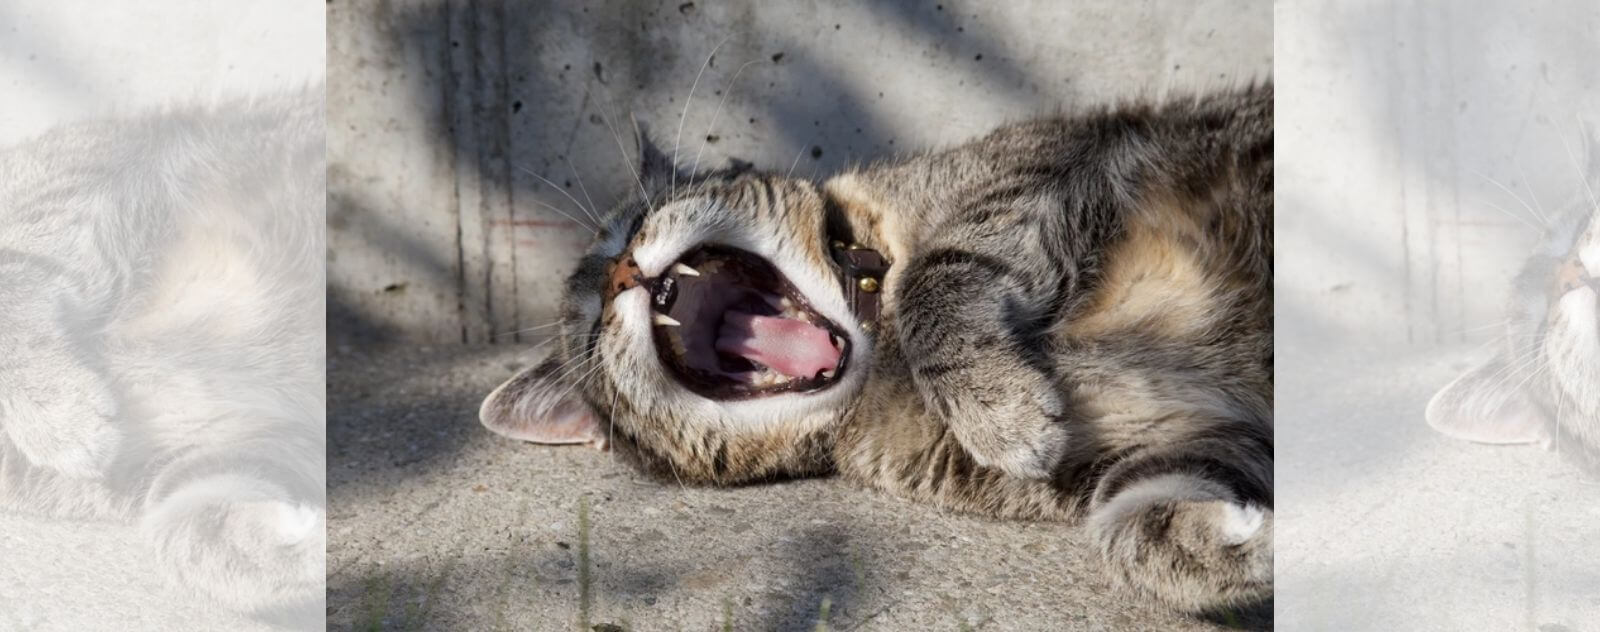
(678, 140)
(626, 161)
(523, 331)
(585, 189)
(558, 189)
(714, 115)
(582, 378)
(796, 162)
(1544, 218)
(1581, 176)
(1514, 196)
(575, 220)
(1512, 215)
(575, 365)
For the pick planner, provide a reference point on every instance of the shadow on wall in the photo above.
(481, 139)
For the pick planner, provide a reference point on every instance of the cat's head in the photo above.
(1543, 385)
(705, 332)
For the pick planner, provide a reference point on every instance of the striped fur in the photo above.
(1077, 325)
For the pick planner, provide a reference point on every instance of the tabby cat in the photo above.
(1068, 318)
(161, 340)
(1542, 385)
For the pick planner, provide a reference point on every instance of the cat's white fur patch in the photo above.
(1156, 490)
(1589, 254)
(1241, 522)
(295, 522)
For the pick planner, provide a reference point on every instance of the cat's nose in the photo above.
(623, 275)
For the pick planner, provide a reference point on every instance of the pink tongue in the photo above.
(792, 347)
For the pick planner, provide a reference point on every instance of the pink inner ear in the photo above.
(1477, 407)
(570, 422)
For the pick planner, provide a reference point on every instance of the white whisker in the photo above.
(558, 189)
(678, 140)
(575, 220)
(713, 126)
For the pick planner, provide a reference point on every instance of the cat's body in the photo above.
(162, 338)
(1076, 322)
(1542, 383)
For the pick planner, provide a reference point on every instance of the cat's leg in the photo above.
(1190, 526)
(245, 530)
(971, 317)
(30, 490)
(55, 406)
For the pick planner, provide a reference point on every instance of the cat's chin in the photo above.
(727, 325)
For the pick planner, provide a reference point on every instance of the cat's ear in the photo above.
(656, 169)
(1488, 404)
(536, 405)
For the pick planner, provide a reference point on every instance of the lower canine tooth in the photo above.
(665, 320)
(827, 375)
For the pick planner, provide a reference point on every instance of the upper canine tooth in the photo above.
(684, 269)
(663, 319)
(828, 375)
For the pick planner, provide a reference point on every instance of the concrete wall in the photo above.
(447, 119)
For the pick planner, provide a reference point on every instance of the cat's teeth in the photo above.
(785, 304)
(666, 321)
(828, 375)
(838, 343)
(685, 270)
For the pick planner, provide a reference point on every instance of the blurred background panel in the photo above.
(65, 61)
(1419, 144)
(464, 138)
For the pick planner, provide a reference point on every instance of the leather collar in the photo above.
(861, 273)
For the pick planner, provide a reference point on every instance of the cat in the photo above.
(1542, 383)
(162, 340)
(1069, 319)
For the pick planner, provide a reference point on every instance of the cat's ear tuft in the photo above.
(536, 405)
(1488, 405)
(656, 169)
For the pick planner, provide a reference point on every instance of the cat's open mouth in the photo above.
(728, 325)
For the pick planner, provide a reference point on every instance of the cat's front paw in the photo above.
(1032, 454)
(62, 420)
(1024, 435)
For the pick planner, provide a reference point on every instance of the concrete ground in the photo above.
(1383, 524)
(436, 524)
